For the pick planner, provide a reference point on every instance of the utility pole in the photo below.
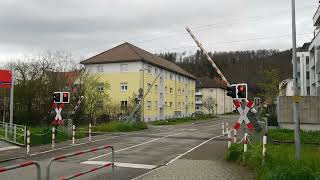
(295, 84)
(11, 96)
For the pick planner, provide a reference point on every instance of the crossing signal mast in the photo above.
(239, 92)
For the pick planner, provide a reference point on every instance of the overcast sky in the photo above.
(88, 27)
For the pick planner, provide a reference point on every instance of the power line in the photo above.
(195, 28)
(235, 41)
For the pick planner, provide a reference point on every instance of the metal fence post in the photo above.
(25, 135)
(53, 137)
(264, 149)
(28, 141)
(89, 132)
(245, 146)
(14, 133)
(6, 130)
(229, 139)
(222, 128)
(73, 133)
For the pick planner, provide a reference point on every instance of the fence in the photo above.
(81, 153)
(13, 133)
(21, 165)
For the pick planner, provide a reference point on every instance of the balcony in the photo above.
(199, 93)
(198, 102)
(316, 17)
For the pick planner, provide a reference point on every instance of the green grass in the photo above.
(43, 135)
(280, 163)
(180, 120)
(120, 127)
(311, 137)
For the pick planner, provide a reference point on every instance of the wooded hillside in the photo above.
(237, 66)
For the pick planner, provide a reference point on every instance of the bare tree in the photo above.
(209, 103)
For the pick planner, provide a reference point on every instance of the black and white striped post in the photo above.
(53, 137)
(73, 133)
(28, 141)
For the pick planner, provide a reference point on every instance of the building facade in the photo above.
(315, 57)
(208, 90)
(169, 90)
(303, 70)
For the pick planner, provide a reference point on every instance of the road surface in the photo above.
(136, 153)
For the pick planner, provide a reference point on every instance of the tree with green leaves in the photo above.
(270, 85)
(209, 103)
(96, 97)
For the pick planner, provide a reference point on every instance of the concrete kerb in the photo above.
(21, 165)
(80, 153)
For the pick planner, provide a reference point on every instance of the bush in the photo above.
(43, 135)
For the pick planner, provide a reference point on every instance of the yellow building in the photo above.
(128, 68)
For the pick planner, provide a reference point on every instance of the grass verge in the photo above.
(120, 127)
(285, 135)
(280, 163)
(180, 120)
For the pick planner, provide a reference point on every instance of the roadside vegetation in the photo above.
(181, 120)
(43, 135)
(280, 163)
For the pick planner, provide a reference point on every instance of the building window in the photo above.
(155, 88)
(307, 59)
(179, 105)
(170, 104)
(156, 105)
(182, 91)
(156, 71)
(148, 85)
(308, 75)
(148, 69)
(179, 78)
(124, 104)
(100, 87)
(100, 69)
(149, 104)
(124, 86)
(171, 90)
(198, 108)
(165, 104)
(179, 91)
(166, 89)
(171, 76)
(124, 68)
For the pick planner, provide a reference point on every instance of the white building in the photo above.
(286, 87)
(315, 57)
(303, 70)
(207, 89)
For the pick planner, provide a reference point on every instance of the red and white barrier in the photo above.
(22, 165)
(80, 153)
(28, 141)
(53, 141)
(73, 133)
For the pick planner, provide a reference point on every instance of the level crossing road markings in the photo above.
(9, 148)
(119, 164)
(243, 114)
(137, 145)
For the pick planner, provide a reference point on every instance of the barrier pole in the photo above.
(235, 136)
(28, 141)
(53, 137)
(89, 132)
(227, 126)
(245, 143)
(264, 149)
(73, 133)
(229, 139)
(22, 165)
(14, 133)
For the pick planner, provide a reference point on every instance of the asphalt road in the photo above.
(136, 153)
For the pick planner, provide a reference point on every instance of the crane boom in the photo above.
(215, 67)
